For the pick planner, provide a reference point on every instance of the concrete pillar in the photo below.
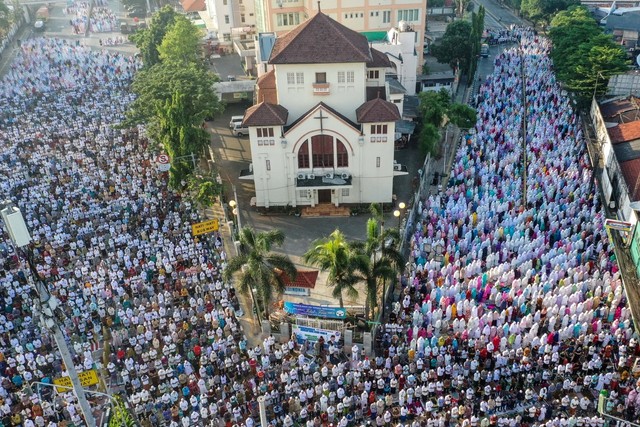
(266, 327)
(348, 341)
(285, 332)
(368, 344)
(263, 412)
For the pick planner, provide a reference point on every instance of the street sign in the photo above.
(164, 162)
(204, 227)
(87, 378)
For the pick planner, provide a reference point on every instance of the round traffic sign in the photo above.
(163, 162)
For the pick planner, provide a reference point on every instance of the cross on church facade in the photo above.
(321, 118)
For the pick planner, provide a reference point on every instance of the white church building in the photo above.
(323, 128)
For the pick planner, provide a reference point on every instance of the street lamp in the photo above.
(45, 304)
(398, 212)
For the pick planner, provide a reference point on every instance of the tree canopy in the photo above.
(156, 85)
(455, 46)
(259, 267)
(435, 110)
(174, 96)
(149, 39)
(181, 44)
(543, 10)
(584, 57)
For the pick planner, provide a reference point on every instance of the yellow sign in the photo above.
(87, 378)
(204, 227)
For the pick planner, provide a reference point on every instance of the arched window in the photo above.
(322, 151)
(326, 152)
(342, 160)
(303, 156)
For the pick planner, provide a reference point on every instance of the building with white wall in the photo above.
(369, 17)
(230, 18)
(322, 130)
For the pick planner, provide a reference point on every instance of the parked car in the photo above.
(239, 130)
(234, 120)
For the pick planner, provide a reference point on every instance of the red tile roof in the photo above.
(631, 173)
(266, 86)
(304, 279)
(265, 114)
(625, 132)
(379, 60)
(377, 110)
(320, 40)
(193, 5)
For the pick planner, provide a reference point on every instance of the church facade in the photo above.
(322, 131)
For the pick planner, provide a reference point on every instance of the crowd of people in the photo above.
(102, 20)
(519, 320)
(111, 241)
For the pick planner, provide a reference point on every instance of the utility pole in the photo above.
(47, 306)
(524, 129)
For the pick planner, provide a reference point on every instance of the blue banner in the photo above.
(315, 310)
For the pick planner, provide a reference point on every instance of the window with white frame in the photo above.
(299, 78)
(345, 192)
(374, 74)
(386, 16)
(409, 15)
(287, 19)
(346, 78)
(302, 194)
(265, 136)
(379, 133)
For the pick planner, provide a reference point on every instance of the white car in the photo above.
(235, 120)
(239, 130)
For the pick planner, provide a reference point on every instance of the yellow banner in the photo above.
(87, 378)
(204, 227)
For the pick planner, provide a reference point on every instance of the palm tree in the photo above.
(334, 255)
(260, 268)
(380, 244)
(371, 272)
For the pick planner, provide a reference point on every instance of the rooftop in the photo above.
(193, 5)
(377, 110)
(320, 40)
(631, 173)
(265, 114)
(621, 110)
(625, 132)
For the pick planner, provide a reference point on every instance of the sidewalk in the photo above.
(250, 325)
(630, 281)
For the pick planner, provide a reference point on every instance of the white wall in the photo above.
(298, 99)
(370, 183)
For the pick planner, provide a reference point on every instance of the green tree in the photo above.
(181, 43)
(542, 11)
(149, 39)
(156, 85)
(333, 255)
(433, 106)
(584, 57)
(455, 46)
(428, 139)
(258, 267)
(377, 258)
(205, 189)
(121, 417)
(462, 115)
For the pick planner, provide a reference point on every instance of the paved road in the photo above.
(496, 15)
